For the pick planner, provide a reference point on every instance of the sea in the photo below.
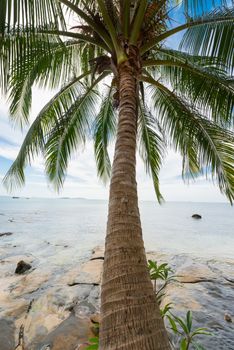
(63, 231)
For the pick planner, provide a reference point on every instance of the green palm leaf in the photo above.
(30, 12)
(200, 6)
(104, 130)
(38, 132)
(205, 85)
(205, 146)
(214, 39)
(70, 131)
(217, 22)
(151, 146)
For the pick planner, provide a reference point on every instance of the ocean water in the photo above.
(60, 232)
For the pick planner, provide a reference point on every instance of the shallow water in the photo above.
(61, 231)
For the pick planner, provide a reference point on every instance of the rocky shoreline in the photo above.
(58, 310)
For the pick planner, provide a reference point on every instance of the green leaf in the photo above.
(69, 133)
(189, 320)
(173, 324)
(182, 324)
(166, 309)
(183, 344)
(203, 82)
(46, 131)
(94, 344)
(214, 39)
(151, 147)
(104, 131)
(193, 7)
(206, 147)
(36, 13)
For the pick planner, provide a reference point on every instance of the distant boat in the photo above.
(15, 197)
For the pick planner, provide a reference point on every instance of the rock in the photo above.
(6, 234)
(196, 216)
(29, 283)
(41, 319)
(195, 272)
(69, 335)
(64, 313)
(89, 273)
(7, 329)
(84, 309)
(95, 318)
(228, 318)
(22, 267)
(98, 253)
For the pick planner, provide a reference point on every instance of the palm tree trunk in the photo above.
(130, 314)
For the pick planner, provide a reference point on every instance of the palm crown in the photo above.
(186, 96)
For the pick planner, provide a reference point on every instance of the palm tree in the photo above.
(113, 57)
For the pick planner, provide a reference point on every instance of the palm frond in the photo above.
(165, 53)
(205, 85)
(38, 132)
(214, 39)
(69, 133)
(205, 146)
(93, 21)
(104, 130)
(218, 21)
(193, 7)
(151, 146)
(48, 64)
(28, 13)
(13, 48)
(21, 52)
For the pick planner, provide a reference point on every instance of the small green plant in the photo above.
(159, 272)
(94, 344)
(164, 311)
(180, 327)
(184, 329)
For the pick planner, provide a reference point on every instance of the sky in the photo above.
(82, 178)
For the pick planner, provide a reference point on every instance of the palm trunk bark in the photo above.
(129, 311)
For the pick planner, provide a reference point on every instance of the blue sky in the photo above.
(82, 180)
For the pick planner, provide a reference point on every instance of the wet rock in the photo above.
(6, 234)
(196, 216)
(228, 318)
(22, 267)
